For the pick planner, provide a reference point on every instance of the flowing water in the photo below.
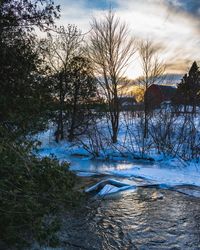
(153, 216)
(137, 221)
(148, 218)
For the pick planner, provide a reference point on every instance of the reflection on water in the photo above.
(141, 220)
(78, 164)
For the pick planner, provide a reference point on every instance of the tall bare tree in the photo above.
(59, 50)
(153, 69)
(110, 50)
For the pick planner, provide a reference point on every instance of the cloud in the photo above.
(189, 6)
(173, 23)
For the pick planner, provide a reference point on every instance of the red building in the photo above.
(156, 94)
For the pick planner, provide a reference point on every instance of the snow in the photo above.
(86, 174)
(117, 161)
(189, 191)
(166, 175)
(103, 183)
(129, 143)
(166, 170)
(110, 187)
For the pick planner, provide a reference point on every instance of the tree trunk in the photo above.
(61, 127)
(73, 119)
(114, 123)
(114, 112)
(114, 136)
(71, 130)
(59, 134)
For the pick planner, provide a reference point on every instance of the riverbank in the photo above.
(163, 170)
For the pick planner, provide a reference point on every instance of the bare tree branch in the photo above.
(110, 50)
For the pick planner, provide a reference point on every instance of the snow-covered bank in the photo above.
(170, 136)
(169, 176)
(169, 171)
(118, 160)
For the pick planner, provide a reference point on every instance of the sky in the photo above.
(175, 24)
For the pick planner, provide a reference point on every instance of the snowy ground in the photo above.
(97, 143)
(117, 161)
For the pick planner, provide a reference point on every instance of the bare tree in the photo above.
(110, 51)
(58, 51)
(153, 69)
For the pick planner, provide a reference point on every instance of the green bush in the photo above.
(33, 194)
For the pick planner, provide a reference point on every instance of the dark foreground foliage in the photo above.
(33, 193)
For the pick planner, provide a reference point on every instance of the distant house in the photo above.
(127, 102)
(157, 94)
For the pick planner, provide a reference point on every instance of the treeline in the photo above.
(188, 91)
(33, 192)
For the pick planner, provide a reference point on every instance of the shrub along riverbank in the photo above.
(34, 192)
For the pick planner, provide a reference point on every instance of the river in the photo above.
(149, 218)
